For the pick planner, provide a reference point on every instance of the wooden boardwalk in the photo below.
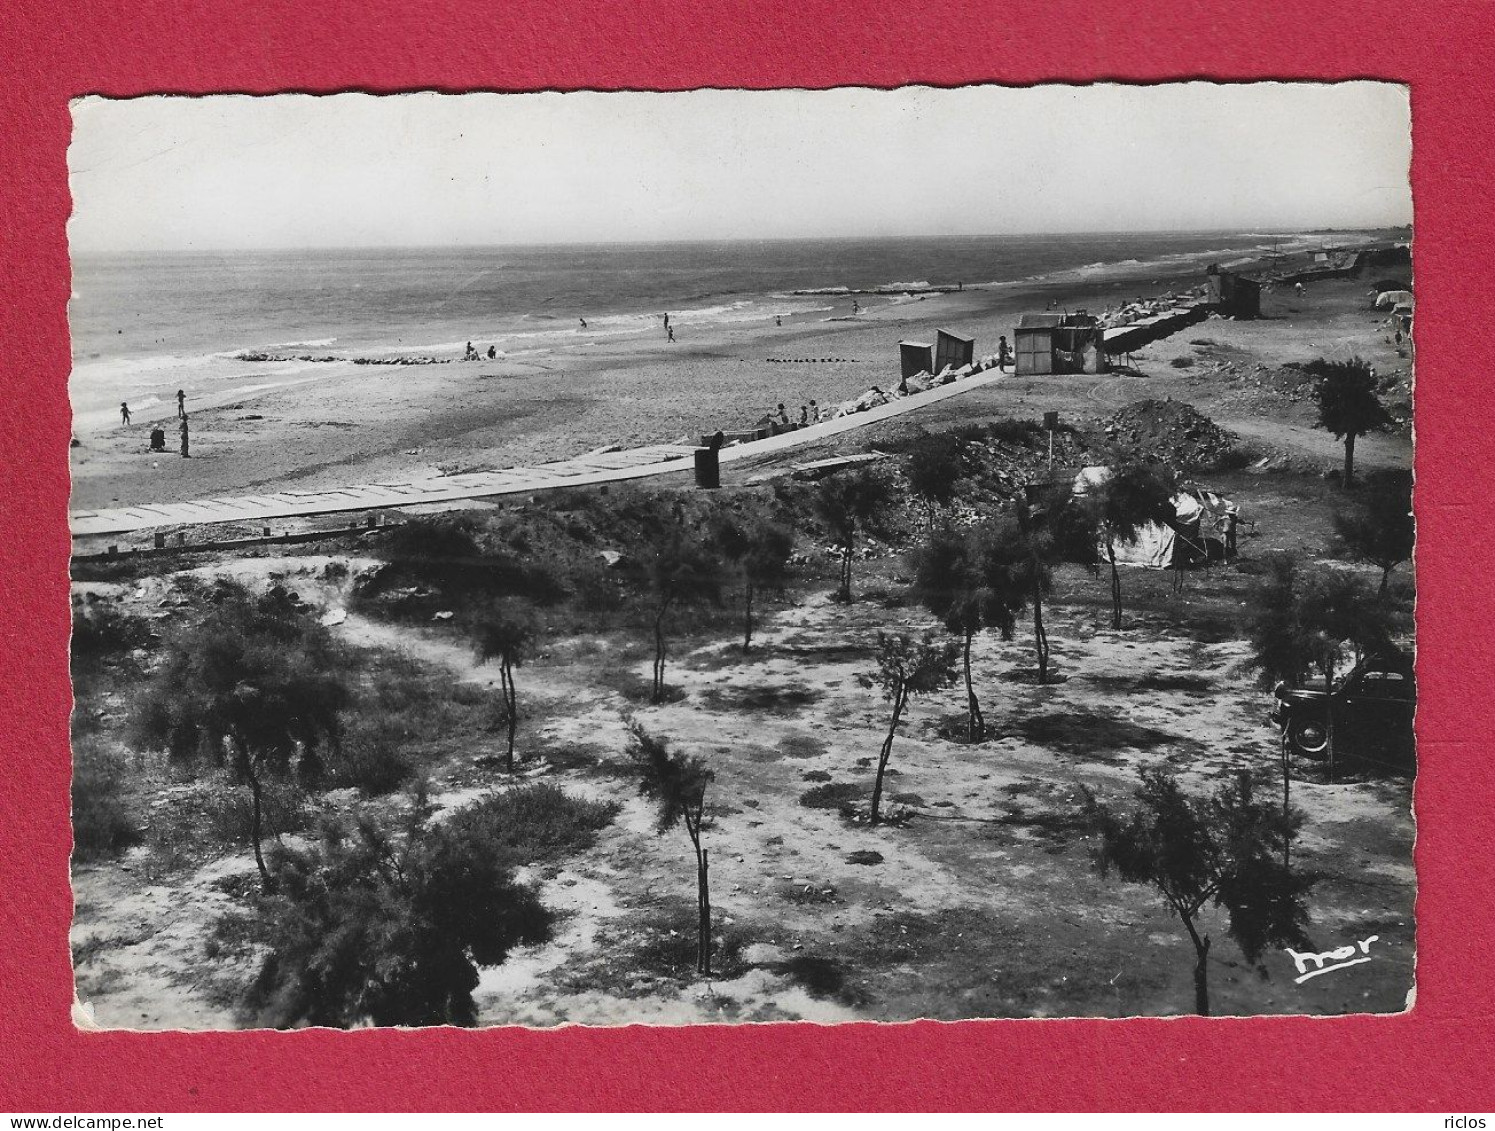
(583, 471)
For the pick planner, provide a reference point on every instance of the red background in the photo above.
(1439, 1057)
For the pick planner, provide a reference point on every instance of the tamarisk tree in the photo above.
(505, 633)
(974, 581)
(1195, 852)
(760, 549)
(677, 784)
(907, 667)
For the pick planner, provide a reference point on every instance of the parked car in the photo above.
(1373, 709)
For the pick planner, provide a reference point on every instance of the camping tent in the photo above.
(1393, 298)
(1199, 514)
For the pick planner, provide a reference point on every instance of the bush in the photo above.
(378, 927)
(102, 825)
(214, 816)
(370, 760)
(101, 632)
(533, 824)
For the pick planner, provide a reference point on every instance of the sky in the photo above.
(354, 170)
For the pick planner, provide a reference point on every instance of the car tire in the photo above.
(1309, 737)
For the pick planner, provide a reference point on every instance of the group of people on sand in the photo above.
(158, 433)
(779, 421)
(475, 354)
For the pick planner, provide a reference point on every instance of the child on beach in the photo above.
(671, 331)
(124, 413)
(181, 405)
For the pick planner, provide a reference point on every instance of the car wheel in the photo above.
(1309, 736)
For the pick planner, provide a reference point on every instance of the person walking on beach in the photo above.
(124, 414)
(186, 443)
(671, 332)
(181, 405)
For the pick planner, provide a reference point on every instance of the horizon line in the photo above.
(1296, 230)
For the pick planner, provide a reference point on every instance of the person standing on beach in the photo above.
(1001, 353)
(667, 320)
(814, 413)
(124, 414)
(186, 451)
(778, 320)
(856, 307)
(181, 405)
(492, 352)
(804, 416)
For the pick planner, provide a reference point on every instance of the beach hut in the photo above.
(917, 357)
(1059, 343)
(952, 349)
(1232, 295)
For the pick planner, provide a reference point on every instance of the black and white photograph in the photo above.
(735, 556)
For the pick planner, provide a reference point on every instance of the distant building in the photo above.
(917, 357)
(1059, 343)
(952, 349)
(1232, 295)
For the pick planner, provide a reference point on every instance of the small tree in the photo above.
(850, 504)
(388, 928)
(933, 470)
(760, 549)
(1131, 498)
(677, 784)
(505, 632)
(256, 676)
(1196, 852)
(1347, 404)
(1379, 527)
(907, 667)
(972, 582)
(683, 570)
(1053, 531)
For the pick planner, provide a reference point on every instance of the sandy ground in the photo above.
(357, 424)
(984, 904)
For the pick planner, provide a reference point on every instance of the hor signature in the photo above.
(1336, 959)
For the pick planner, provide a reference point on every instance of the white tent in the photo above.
(1198, 513)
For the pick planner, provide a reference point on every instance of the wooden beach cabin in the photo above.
(1232, 295)
(917, 357)
(952, 349)
(1059, 343)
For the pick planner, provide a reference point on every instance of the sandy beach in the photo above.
(345, 423)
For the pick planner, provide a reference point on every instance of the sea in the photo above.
(145, 325)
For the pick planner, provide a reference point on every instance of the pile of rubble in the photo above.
(1173, 433)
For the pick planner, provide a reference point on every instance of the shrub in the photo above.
(216, 815)
(370, 760)
(372, 926)
(533, 824)
(102, 825)
(101, 632)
